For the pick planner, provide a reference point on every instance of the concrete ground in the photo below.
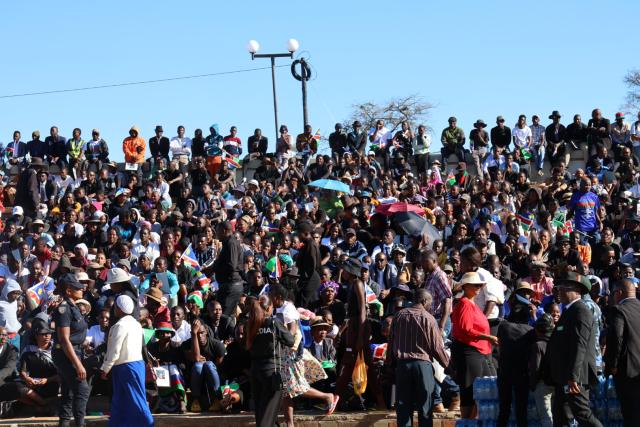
(303, 419)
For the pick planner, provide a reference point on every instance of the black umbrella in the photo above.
(410, 222)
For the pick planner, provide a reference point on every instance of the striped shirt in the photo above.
(414, 335)
(438, 286)
(537, 134)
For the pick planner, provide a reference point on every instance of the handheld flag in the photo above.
(526, 154)
(379, 351)
(189, 257)
(451, 179)
(37, 294)
(525, 223)
(229, 388)
(317, 135)
(274, 267)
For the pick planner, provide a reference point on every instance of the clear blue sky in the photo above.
(472, 59)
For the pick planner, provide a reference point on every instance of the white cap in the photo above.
(254, 182)
(125, 304)
(17, 210)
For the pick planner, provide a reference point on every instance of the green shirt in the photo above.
(452, 136)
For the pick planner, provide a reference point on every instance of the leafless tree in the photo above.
(412, 108)
(632, 79)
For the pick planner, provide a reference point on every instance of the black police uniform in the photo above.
(75, 393)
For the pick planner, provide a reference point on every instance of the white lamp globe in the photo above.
(253, 46)
(292, 45)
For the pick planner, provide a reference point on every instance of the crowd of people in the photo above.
(367, 277)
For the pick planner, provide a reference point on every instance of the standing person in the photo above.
(437, 283)
(471, 347)
(308, 263)
(358, 332)
(421, 145)
(180, 147)
(414, 342)
(539, 143)
(227, 267)
(29, 195)
(267, 342)
(71, 332)
(571, 357)
(134, 146)
(159, 145)
(542, 393)
(622, 358)
(479, 141)
(124, 360)
(515, 336)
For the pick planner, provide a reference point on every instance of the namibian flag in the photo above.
(369, 295)
(177, 384)
(317, 135)
(379, 351)
(274, 266)
(189, 257)
(525, 222)
(37, 294)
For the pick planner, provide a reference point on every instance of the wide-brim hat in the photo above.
(524, 286)
(117, 275)
(472, 278)
(352, 266)
(37, 162)
(165, 327)
(571, 278)
(39, 222)
(155, 294)
(320, 323)
(402, 289)
(480, 123)
(85, 302)
(554, 114)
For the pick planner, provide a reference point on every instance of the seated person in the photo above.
(322, 349)
(235, 369)
(164, 354)
(204, 354)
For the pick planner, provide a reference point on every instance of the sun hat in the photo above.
(156, 295)
(165, 327)
(472, 278)
(117, 275)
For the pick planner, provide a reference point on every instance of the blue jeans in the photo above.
(538, 155)
(205, 375)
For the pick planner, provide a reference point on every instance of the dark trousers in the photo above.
(266, 397)
(565, 407)
(308, 290)
(448, 150)
(506, 389)
(414, 386)
(627, 390)
(422, 162)
(229, 296)
(74, 393)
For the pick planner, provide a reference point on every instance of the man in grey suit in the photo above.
(571, 357)
(622, 358)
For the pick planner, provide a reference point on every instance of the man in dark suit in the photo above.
(622, 358)
(8, 363)
(29, 195)
(223, 327)
(571, 357)
(257, 144)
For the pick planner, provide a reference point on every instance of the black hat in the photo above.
(554, 114)
(402, 290)
(37, 162)
(572, 278)
(70, 280)
(159, 129)
(479, 124)
(352, 266)
(357, 123)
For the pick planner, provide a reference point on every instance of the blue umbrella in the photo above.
(330, 184)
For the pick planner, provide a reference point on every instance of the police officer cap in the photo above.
(70, 280)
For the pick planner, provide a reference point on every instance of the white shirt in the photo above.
(152, 251)
(521, 135)
(78, 227)
(180, 146)
(382, 138)
(635, 131)
(62, 184)
(183, 333)
(95, 336)
(385, 249)
(492, 291)
(125, 343)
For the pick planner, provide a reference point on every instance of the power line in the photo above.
(141, 82)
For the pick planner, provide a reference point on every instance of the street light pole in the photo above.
(253, 47)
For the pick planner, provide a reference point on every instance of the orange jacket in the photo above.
(134, 148)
